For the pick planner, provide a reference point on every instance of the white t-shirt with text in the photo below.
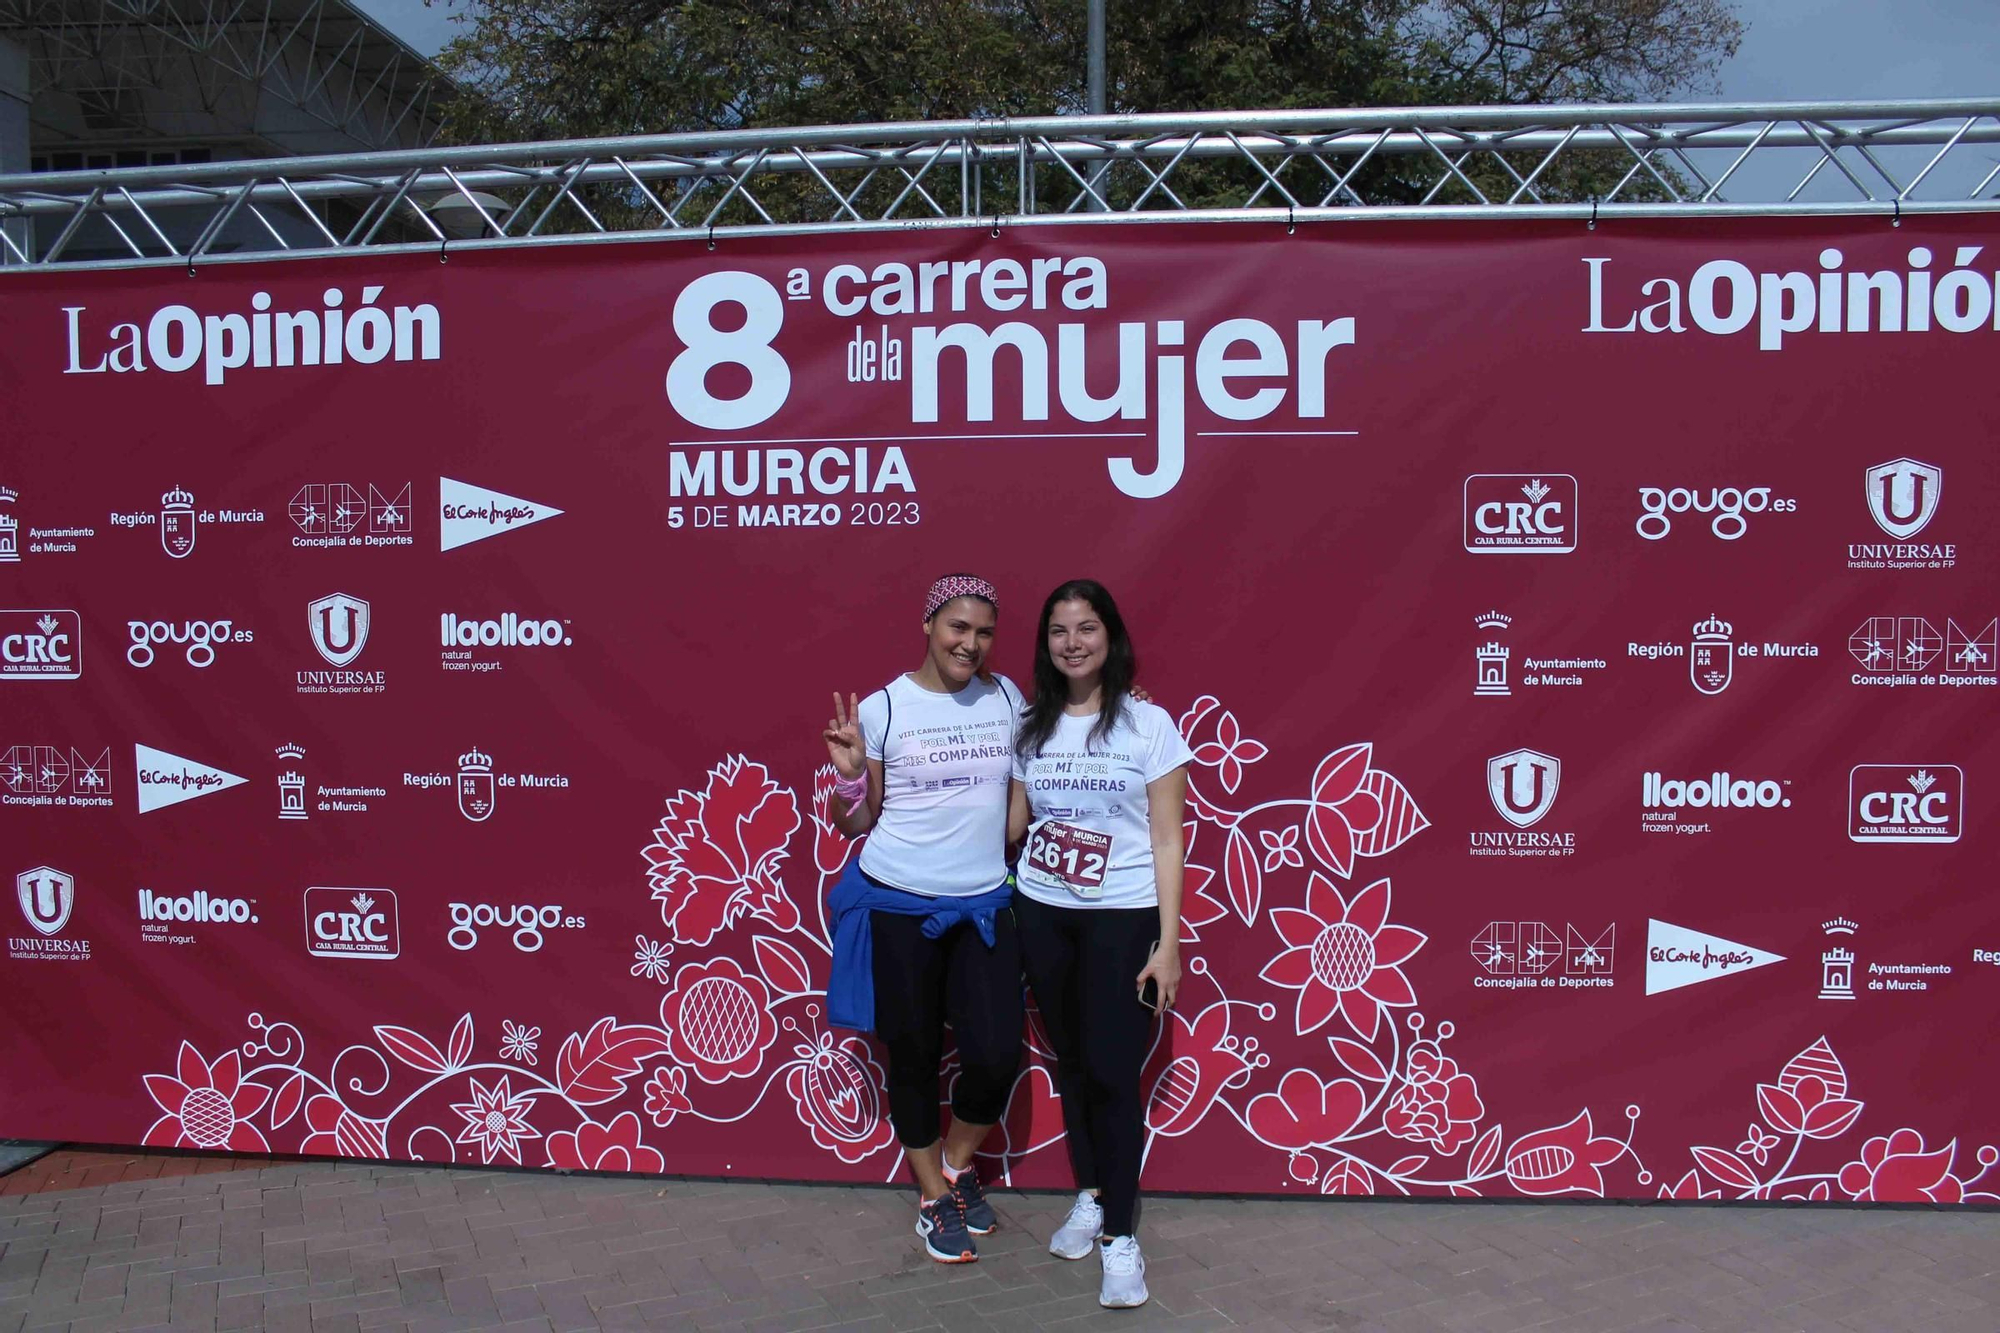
(1091, 843)
(945, 764)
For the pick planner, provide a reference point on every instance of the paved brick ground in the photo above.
(311, 1246)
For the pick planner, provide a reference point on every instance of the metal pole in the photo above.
(1096, 58)
(1095, 94)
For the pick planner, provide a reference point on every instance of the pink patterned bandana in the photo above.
(958, 585)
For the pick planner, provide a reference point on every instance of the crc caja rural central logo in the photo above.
(1905, 803)
(1510, 513)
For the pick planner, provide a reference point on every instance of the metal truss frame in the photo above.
(1294, 167)
(322, 58)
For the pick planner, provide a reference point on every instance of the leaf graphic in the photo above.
(291, 1096)
(1243, 876)
(1484, 1153)
(413, 1049)
(1401, 819)
(1727, 1167)
(1407, 1165)
(782, 965)
(1359, 1060)
(1465, 1192)
(1780, 1108)
(1831, 1118)
(461, 1041)
(592, 1067)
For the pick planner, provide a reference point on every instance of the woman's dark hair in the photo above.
(1121, 665)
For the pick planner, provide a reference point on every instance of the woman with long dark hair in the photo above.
(1100, 779)
(923, 933)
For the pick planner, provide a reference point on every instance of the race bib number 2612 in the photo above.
(1074, 857)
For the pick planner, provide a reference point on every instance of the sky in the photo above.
(1795, 50)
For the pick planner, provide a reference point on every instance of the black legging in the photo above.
(919, 984)
(1084, 963)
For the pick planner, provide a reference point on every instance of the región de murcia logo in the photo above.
(1712, 651)
(478, 785)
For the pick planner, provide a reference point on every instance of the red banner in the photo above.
(412, 677)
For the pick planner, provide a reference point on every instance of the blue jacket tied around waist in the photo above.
(850, 987)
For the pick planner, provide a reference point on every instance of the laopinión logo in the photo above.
(1905, 803)
(40, 645)
(1522, 785)
(46, 897)
(50, 775)
(197, 638)
(178, 338)
(528, 923)
(1900, 650)
(352, 923)
(331, 514)
(1723, 506)
(1509, 513)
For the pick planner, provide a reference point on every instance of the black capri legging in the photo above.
(921, 983)
(1083, 964)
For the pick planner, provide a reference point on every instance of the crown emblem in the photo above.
(1840, 925)
(1534, 490)
(475, 762)
(362, 902)
(1492, 620)
(1712, 630)
(1921, 781)
(47, 624)
(8, 494)
(291, 751)
(176, 499)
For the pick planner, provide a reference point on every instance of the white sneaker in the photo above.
(1077, 1236)
(1124, 1285)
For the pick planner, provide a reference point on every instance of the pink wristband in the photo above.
(852, 790)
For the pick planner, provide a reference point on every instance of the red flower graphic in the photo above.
(716, 853)
(1198, 906)
(1688, 1187)
(1562, 1160)
(718, 1020)
(1358, 810)
(836, 1090)
(1810, 1096)
(1305, 1112)
(1343, 956)
(1896, 1169)
(207, 1106)
(1229, 751)
(613, 1147)
(831, 847)
(666, 1094)
(1437, 1104)
(339, 1132)
(497, 1121)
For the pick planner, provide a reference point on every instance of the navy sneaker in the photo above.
(941, 1223)
(979, 1217)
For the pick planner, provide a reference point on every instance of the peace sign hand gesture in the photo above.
(843, 738)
